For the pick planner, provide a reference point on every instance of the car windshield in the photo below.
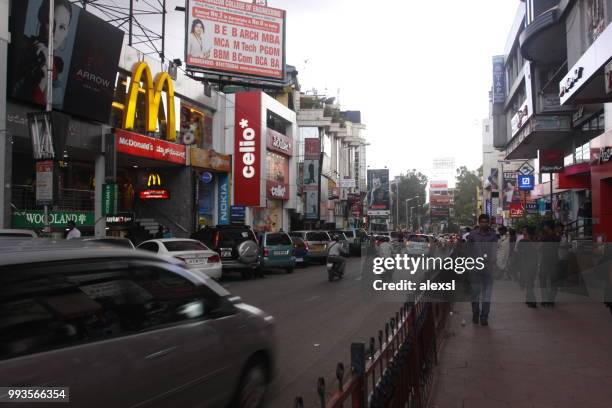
(417, 238)
(278, 239)
(176, 246)
(317, 236)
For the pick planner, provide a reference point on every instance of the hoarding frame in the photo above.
(216, 75)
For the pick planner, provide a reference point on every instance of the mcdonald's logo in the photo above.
(153, 93)
(154, 180)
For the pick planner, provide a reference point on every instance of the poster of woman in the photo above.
(31, 80)
(198, 47)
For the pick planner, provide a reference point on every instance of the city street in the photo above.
(316, 322)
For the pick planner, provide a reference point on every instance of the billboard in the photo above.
(312, 148)
(84, 68)
(438, 184)
(312, 205)
(247, 149)
(378, 192)
(499, 79)
(230, 36)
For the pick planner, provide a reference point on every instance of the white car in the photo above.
(198, 257)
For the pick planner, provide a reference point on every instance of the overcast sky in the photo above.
(418, 70)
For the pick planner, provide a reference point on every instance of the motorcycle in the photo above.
(334, 269)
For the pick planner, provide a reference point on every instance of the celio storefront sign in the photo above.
(247, 149)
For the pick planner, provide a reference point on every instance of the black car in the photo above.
(236, 245)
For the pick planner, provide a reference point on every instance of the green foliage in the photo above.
(466, 200)
(534, 220)
(411, 184)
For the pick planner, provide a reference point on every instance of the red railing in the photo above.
(397, 373)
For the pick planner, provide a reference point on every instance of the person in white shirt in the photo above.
(335, 253)
(74, 231)
(196, 46)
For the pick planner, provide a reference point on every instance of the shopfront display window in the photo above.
(196, 126)
(269, 218)
(278, 168)
(206, 195)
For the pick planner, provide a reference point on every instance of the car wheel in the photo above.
(253, 385)
(289, 270)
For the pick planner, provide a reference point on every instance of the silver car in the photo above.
(316, 242)
(128, 328)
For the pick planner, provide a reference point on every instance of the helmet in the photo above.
(336, 237)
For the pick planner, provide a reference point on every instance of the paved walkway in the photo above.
(536, 358)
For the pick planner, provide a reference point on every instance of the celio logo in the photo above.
(247, 149)
(278, 191)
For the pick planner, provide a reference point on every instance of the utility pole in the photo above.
(5, 39)
(49, 93)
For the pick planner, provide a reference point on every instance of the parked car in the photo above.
(379, 239)
(317, 244)
(236, 245)
(128, 328)
(111, 241)
(195, 254)
(300, 250)
(17, 234)
(418, 244)
(276, 251)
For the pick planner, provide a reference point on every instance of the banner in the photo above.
(223, 199)
(44, 182)
(499, 79)
(236, 37)
(149, 147)
(551, 161)
(84, 66)
(247, 149)
(312, 205)
(312, 148)
(278, 142)
(378, 192)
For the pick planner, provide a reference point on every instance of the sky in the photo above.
(418, 70)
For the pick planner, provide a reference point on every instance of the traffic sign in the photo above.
(526, 169)
(206, 177)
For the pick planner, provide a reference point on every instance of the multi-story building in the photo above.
(342, 162)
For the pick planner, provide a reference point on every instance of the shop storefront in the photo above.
(212, 180)
(263, 168)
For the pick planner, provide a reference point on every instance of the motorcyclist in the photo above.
(335, 254)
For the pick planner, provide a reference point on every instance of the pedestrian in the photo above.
(503, 252)
(549, 264)
(563, 253)
(73, 231)
(527, 253)
(160, 232)
(482, 243)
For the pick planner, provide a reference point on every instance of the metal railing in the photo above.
(397, 373)
(24, 197)
(582, 228)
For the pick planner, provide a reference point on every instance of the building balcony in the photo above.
(541, 132)
(543, 40)
(313, 118)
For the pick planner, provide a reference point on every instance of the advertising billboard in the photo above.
(499, 79)
(312, 148)
(84, 67)
(247, 149)
(378, 192)
(223, 199)
(230, 36)
(149, 147)
(312, 205)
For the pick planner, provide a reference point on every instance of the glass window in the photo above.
(278, 168)
(61, 305)
(175, 246)
(349, 234)
(278, 239)
(317, 236)
(417, 238)
(149, 246)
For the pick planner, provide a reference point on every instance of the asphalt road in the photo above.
(316, 322)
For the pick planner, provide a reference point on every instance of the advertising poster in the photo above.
(378, 192)
(84, 67)
(551, 161)
(247, 149)
(312, 205)
(268, 219)
(235, 37)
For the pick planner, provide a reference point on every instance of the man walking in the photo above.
(73, 231)
(482, 243)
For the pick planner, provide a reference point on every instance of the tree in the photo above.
(465, 200)
(410, 185)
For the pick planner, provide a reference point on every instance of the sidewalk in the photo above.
(539, 358)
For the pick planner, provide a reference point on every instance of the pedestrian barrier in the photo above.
(397, 373)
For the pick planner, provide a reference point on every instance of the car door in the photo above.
(116, 334)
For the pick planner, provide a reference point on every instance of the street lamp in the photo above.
(406, 202)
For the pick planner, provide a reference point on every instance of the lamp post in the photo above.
(406, 203)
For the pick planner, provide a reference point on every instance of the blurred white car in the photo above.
(197, 256)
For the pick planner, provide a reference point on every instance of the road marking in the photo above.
(310, 299)
(358, 279)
